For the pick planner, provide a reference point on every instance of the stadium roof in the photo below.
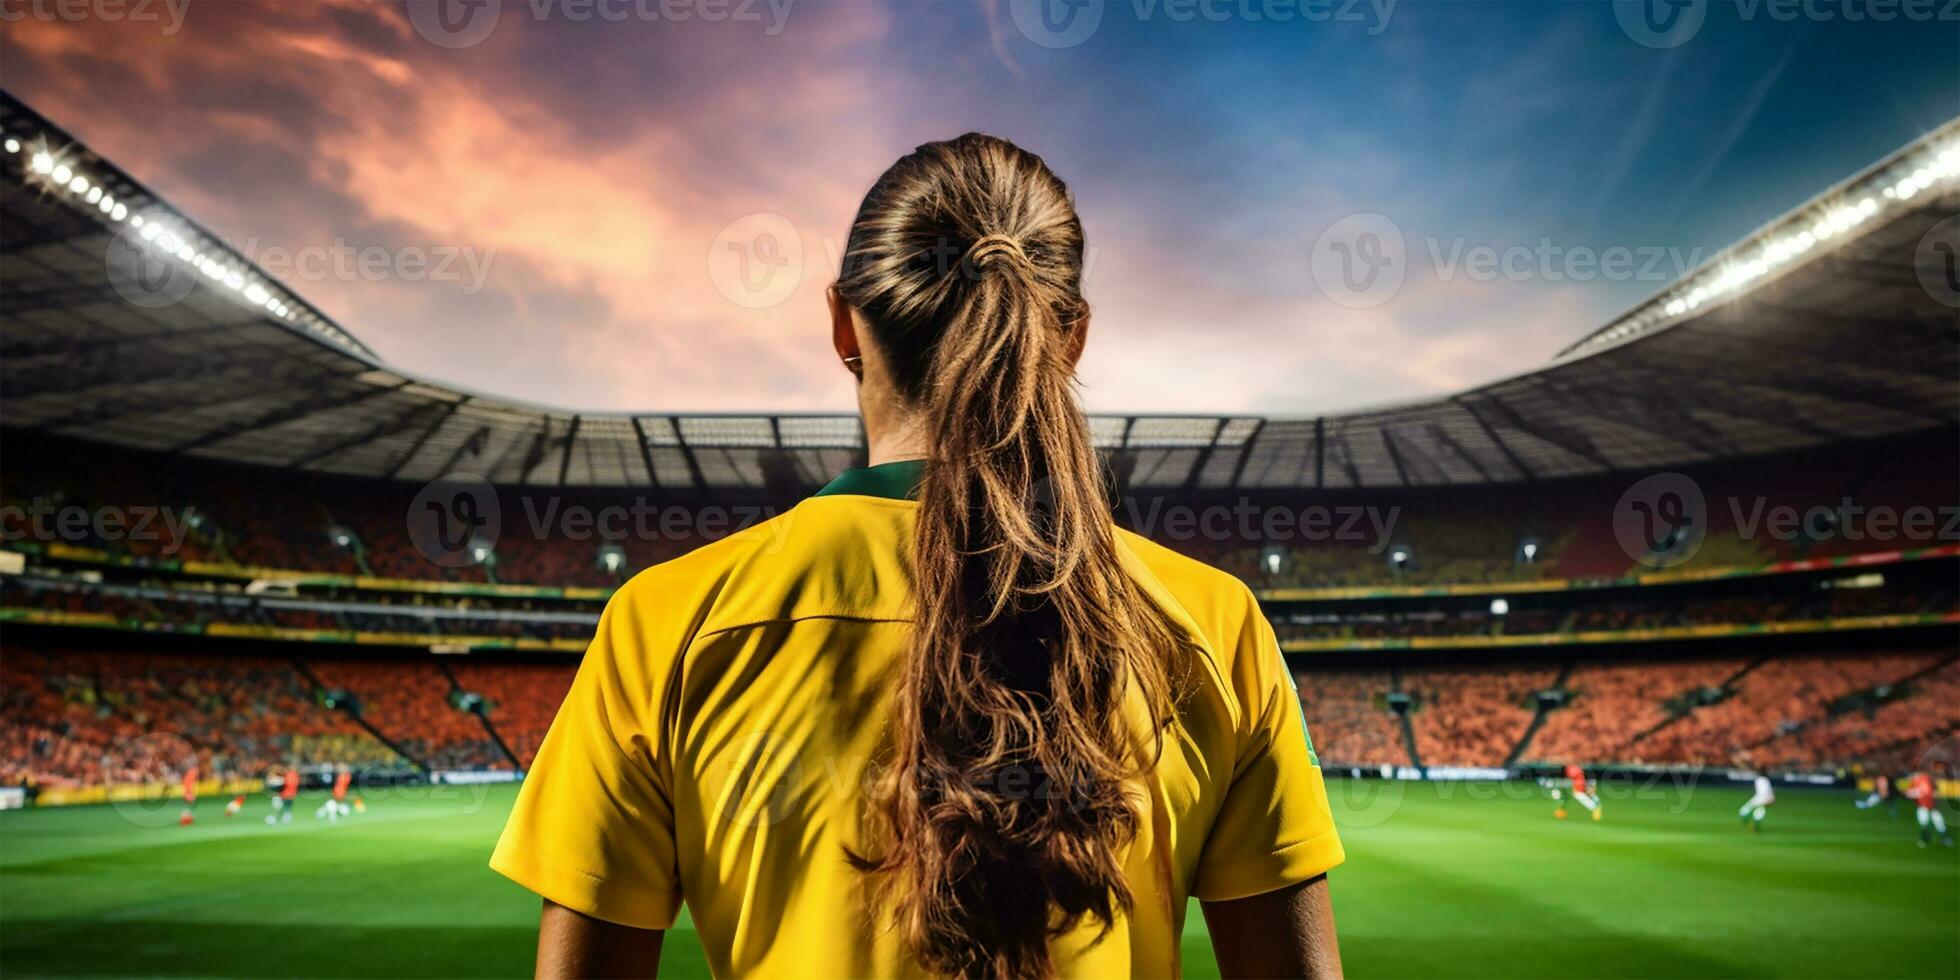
(122, 321)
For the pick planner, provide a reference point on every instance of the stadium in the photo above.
(1719, 536)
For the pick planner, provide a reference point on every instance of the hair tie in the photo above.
(988, 246)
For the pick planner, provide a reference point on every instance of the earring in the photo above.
(855, 365)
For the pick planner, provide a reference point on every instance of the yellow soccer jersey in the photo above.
(725, 731)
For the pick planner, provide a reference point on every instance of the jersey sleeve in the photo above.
(593, 828)
(1274, 828)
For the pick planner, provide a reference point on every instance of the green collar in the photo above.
(894, 481)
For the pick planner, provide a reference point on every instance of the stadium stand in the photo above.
(1610, 704)
(523, 698)
(73, 717)
(408, 703)
(1885, 726)
(1472, 716)
(1776, 699)
(79, 717)
(1350, 720)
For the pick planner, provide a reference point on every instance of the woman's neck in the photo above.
(893, 429)
(894, 440)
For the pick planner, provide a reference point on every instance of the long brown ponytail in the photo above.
(1007, 817)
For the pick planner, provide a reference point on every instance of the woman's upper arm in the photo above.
(1283, 933)
(594, 827)
(1274, 826)
(572, 944)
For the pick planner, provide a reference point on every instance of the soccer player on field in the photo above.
(1881, 793)
(1580, 792)
(336, 806)
(190, 796)
(995, 657)
(282, 805)
(1931, 820)
(1752, 812)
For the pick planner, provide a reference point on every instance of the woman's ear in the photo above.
(843, 333)
(1078, 339)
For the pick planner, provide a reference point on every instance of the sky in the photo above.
(1293, 206)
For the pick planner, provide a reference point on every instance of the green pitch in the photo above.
(1441, 880)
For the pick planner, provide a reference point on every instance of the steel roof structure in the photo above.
(1827, 326)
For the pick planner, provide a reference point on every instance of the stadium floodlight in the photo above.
(241, 276)
(1829, 220)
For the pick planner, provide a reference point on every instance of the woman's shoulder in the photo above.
(710, 563)
(1187, 576)
(1217, 602)
(783, 567)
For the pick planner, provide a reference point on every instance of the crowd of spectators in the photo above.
(87, 718)
(1889, 725)
(522, 700)
(1349, 719)
(1473, 716)
(1770, 704)
(1806, 712)
(409, 702)
(1609, 704)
